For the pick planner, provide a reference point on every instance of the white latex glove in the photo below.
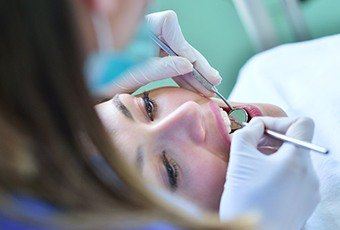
(165, 25)
(282, 187)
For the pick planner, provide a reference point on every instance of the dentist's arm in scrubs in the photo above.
(165, 25)
(282, 187)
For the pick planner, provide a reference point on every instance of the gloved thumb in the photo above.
(302, 129)
(249, 135)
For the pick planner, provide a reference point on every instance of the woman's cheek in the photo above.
(207, 176)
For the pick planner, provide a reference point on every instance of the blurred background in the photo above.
(229, 32)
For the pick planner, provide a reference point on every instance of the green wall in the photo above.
(213, 27)
(322, 18)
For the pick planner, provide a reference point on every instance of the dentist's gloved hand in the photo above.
(165, 25)
(282, 187)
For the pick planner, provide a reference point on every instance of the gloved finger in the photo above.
(179, 69)
(189, 82)
(293, 157)
(182, 83)
(302, 129)
(279, 124)
(203, 67)
(248, 136)
(169, 66)
(268, 144)
(165, 25)
(152, 70)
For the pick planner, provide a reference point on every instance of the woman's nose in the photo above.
(184, 122)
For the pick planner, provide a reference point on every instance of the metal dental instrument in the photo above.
(295, 141)
(199, 77)
(239, 115)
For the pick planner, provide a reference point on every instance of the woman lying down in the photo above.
(181, 141)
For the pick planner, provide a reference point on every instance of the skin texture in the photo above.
(184, 132)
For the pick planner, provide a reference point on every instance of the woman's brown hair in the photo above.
(52, 145)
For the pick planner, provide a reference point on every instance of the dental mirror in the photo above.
(237, 116)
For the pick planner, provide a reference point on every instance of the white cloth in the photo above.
(304, 80)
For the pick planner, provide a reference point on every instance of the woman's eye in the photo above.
(150, 106)
(172, 171)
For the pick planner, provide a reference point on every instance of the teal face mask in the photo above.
(105, 66)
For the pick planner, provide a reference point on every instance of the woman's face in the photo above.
(177, 139)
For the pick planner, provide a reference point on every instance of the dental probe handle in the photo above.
(201, 79)
(197, 75)
(295, 141)
(162, 45)
(214, 89)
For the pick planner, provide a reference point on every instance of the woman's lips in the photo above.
(221, 125)
(252, 111)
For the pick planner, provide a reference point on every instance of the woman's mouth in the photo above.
(251, 110)
(225, 118)
(222, 122)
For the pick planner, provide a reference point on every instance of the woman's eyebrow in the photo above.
(121, 107)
